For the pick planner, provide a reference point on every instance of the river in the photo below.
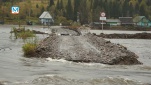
(18, 70)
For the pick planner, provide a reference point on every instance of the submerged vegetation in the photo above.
(22, 33)
(29, 38)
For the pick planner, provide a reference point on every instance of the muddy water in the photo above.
(18, 70)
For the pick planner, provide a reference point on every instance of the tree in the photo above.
(58, 5)
(42, 9)
(51, 3)
(37, 6)
(125, 8)
(131, 10)
(83, 12)
(139, 1)
(96, 14)
(76, 9)
(61, 4)
(69, 10)
(142, 10)
(95, 4)
(136, 9)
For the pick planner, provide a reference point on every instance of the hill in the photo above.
(72, 10)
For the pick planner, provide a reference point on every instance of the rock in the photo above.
(85, 48)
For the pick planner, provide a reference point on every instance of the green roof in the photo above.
(140, 18)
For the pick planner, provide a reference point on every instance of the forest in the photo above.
(83, 11)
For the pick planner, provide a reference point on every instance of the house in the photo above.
(113, 22)
(46, 18)
(141, 21)
(125, 21)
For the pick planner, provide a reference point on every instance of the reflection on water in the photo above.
(18, 70)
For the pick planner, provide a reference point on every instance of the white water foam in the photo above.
(57, 60)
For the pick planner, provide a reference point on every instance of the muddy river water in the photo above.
(18, 70)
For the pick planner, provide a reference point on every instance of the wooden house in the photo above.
(46, 18)
(142, 21)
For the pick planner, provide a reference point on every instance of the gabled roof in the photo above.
(112, 20)
(126, 20)
(45, 15)
(139, 18)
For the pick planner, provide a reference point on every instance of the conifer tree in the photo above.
(69, 10)
(51, 2)
(142, 10)
(58, 5)
(83, 12)
(125, 8)
(76, 9)
(61, 4)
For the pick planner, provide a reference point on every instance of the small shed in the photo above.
(113, 22)
(142, 21)
(46, 18)
(126, 21)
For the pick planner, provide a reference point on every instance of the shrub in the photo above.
(22, 33)
(29, 47)
(76, 24)
(25, 34)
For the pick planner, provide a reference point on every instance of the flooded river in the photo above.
(18, 70)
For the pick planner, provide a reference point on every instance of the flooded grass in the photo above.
(22, 33)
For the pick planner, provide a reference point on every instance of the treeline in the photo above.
(89, 10)
(86, 11)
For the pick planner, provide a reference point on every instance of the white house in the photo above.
(46, 18)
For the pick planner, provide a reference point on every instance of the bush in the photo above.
(76, 24)
(29, 48)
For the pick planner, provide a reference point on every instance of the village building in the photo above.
(142, 21)
(113, 22)
(46, 18)
(126, 21)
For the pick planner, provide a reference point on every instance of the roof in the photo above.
(126, 20)
(139, 18)
(45, 15)
(112, 20)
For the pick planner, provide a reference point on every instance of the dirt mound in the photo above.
(85, 48)
(127, 36)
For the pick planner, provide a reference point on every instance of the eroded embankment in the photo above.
(85, 48)
(127, 36)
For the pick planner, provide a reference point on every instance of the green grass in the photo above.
(22, 33)
(25, 34)
(29, 47)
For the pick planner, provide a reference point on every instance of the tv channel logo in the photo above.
(15, 10)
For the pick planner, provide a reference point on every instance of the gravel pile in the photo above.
(85, 48)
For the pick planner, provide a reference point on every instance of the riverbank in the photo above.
(122, 28)
(126, 36)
